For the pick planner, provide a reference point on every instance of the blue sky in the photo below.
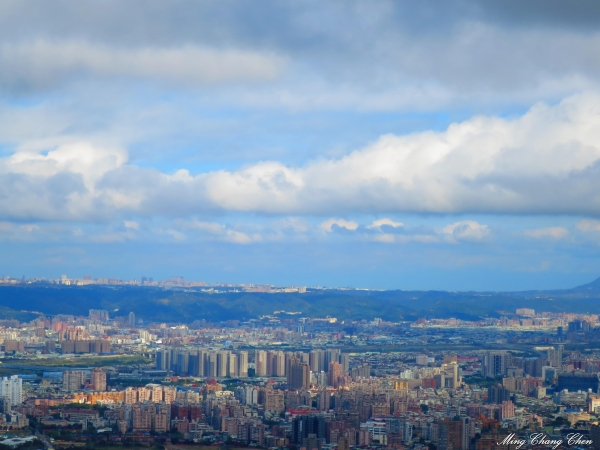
(351, 143)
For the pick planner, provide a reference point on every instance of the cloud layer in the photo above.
(544, 162)
(43, 65)
(339, 55)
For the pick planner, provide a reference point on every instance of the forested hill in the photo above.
(156, 304)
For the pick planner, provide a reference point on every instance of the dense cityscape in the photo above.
(300, 225)
(290, 381)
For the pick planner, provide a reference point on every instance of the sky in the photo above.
(395, 145)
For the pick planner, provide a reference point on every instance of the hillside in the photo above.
(155, 304)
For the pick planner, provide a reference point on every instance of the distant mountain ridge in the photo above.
(176, 305)
(594, 287)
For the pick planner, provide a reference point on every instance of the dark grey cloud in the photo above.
(300, 25)
(578, 15)
(374, 55)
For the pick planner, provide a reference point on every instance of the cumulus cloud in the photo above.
(466, 230)
(549, 232)
(546, 161)
(60, 183)
(237, 237)
(347, 224)
(377, 224)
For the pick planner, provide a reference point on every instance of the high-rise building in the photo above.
(260, 363)
(194, 364)
(498, 394)
(494, 363)
(163, 359)
(578, 325)
(331, 354)
(279, 364)
(131, 396)
(12, 389)
(578, 382)
(299, 377)
(222, 363)
(312, 424)
(151, 417)
(317, 360)
(132, 319)
(455, 433)
(98, 379)
(157, 393)
(73, 380)
(210, 365)
(270, 363)
(506, 410)
(323, 400)
(232, 366)
(183, 363)
(452, 378)
(345, 362)
(274, 401)
(334, 373)
(553, 355)
(243, 364)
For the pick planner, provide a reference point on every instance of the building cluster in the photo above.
(172, 282)
(285, 380)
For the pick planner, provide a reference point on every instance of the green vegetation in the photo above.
(483, 382)
(91, 361)
(155, 304)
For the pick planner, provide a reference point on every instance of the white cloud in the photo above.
(466, 230)
(587, 226)
(549, 232)
(485, 164)
(547, 161)
(381, 222)
(132, 224)
(347, 224)
(237, 237)
(82, 158)
(387, 238)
